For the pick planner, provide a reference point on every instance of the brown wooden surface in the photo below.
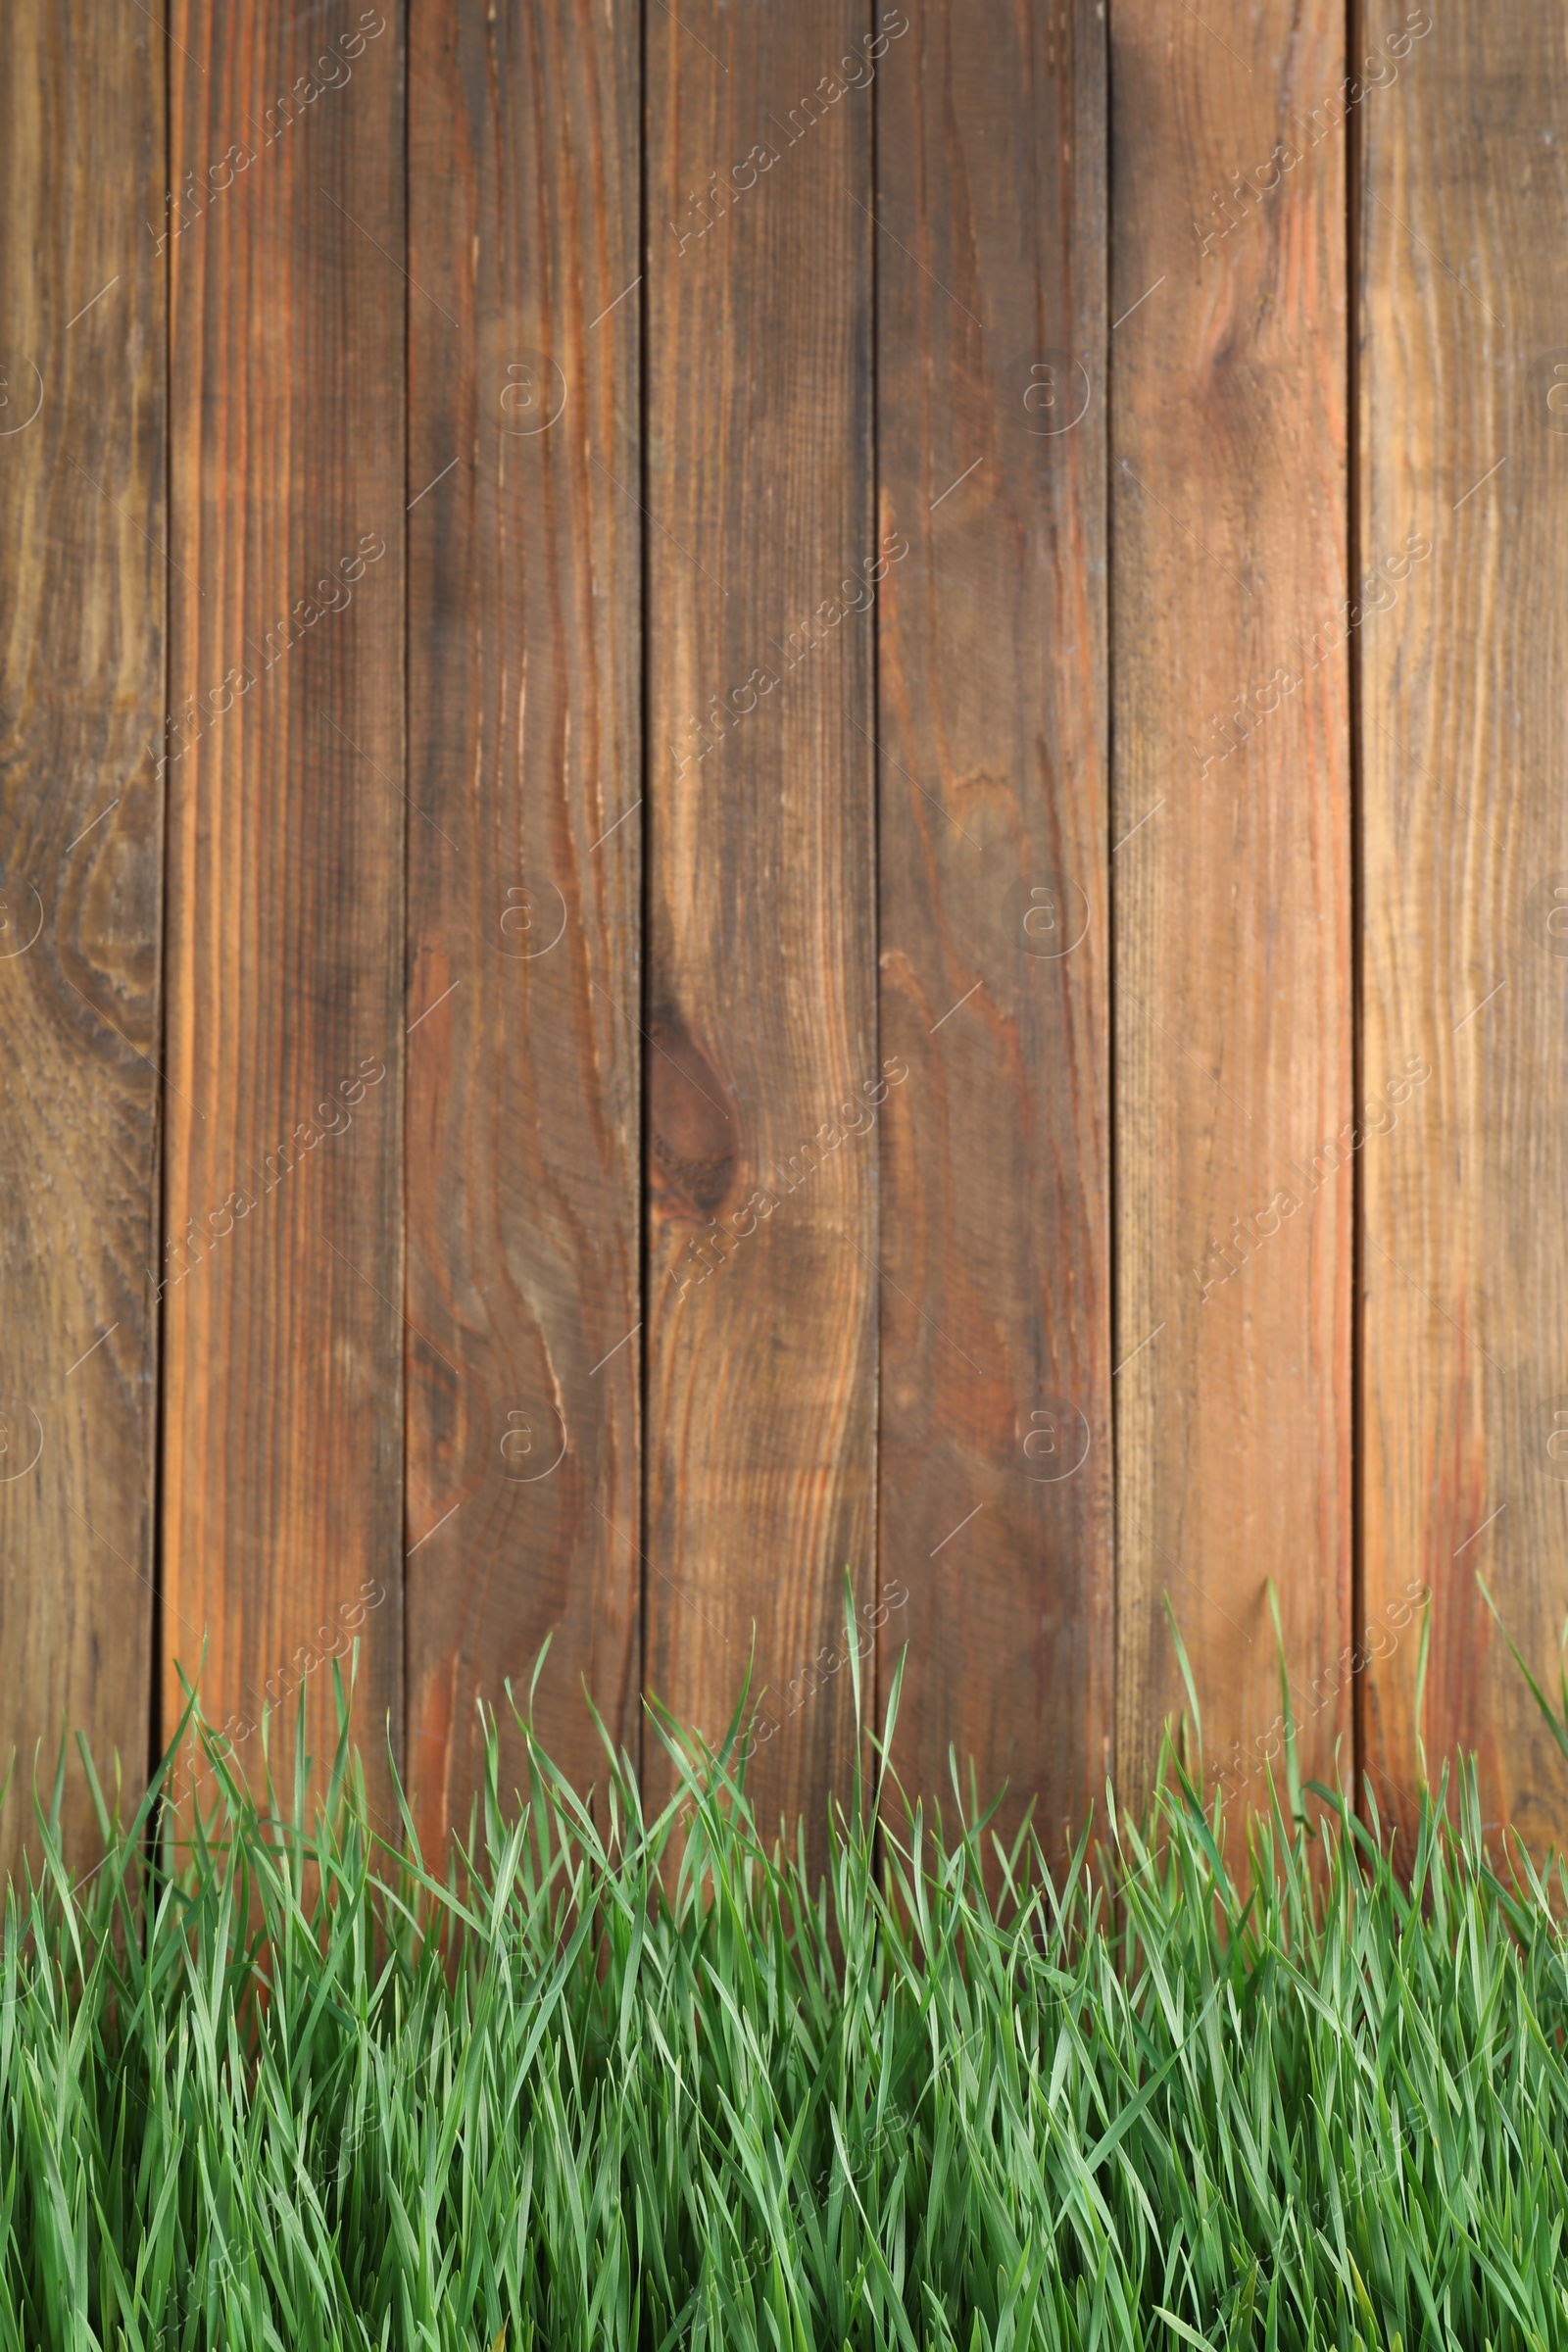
(1233, 969)
(760, 983)
(284, 1402)
(82, 589)
(523, 882)
(1030, 1040)
(996, 1296)
(1465, 835)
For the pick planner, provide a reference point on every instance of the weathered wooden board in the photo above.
(1231, 869)
(996, 1432)
(282, 1280)
(524, 889)
(761, 992)
(82, 383)
(1465, 879)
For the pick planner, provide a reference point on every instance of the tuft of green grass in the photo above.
(601, 2078)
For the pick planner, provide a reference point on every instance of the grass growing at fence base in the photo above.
(259, 2096)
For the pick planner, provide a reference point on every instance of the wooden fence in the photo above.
(782, 793)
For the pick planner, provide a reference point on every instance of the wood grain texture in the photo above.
(524, 1182)
(1465, 1262)
(996, 1438)
(82, 385)
(1230, 871)
(283, 1276)
(761, 988)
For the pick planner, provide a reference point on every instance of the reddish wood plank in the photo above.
(82, 383)
(760, 993)
(523, 1356)
(996, 1433)
(1465, 844)
(283, 1271)
(1231, 870)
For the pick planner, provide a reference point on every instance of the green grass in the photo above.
(617, 2081)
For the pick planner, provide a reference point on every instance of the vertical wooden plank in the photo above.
(995, 945)
(524, 885)
(1231, 875)
(1464, 1260)
(82, 384)
(760, 998)
(283, 1272)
